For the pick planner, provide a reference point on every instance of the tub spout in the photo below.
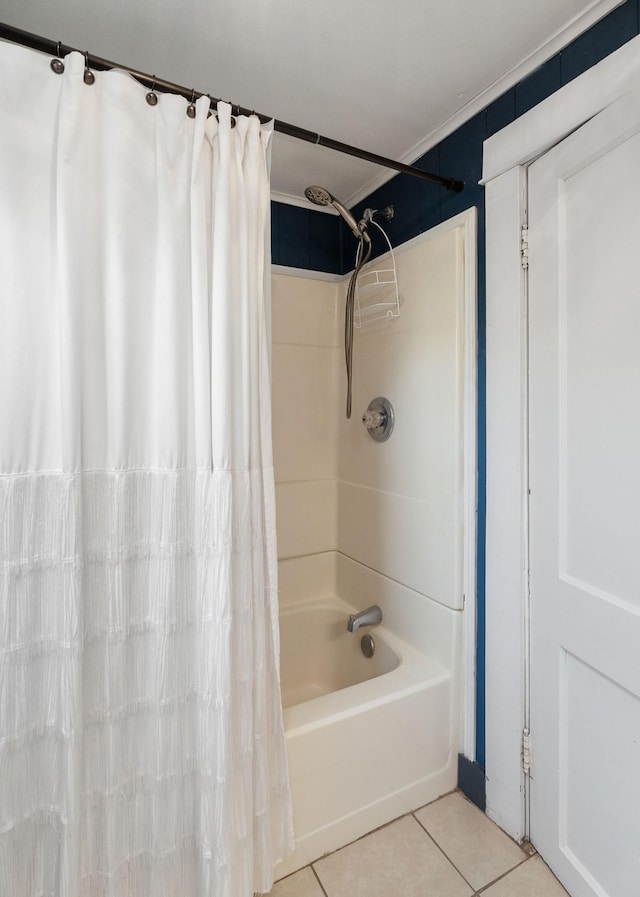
(369, 617)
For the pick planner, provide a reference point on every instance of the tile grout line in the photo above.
(311, 865)
(476, 892)
(504, 875)
(449, 860)
(318, 879)
(350, 844)
(480, 890)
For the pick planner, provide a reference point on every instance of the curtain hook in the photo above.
(152, 97)
(191, 108)
(57, 65)
(89, 77)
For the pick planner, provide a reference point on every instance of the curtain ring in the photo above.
(89, 77)
(152, 97)
(191, 108)
(57, 65)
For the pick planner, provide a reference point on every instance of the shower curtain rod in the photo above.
(56, 48)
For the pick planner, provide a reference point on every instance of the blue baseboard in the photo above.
(472, 781)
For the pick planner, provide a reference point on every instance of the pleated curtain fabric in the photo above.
(142, 751)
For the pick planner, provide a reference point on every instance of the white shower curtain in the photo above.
(142, 751)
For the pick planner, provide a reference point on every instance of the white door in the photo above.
(584, 298)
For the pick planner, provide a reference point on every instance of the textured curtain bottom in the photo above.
(142, 750)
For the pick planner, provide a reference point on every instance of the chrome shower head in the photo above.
(321, 197)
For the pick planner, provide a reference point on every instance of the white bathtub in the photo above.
(368, 739)
(319, 656)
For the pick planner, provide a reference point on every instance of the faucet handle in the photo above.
(374, 419)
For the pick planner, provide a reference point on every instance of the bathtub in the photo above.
(319, 656)
(368, 738)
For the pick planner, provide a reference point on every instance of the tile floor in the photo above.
(447, 849)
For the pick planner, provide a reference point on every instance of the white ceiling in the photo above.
(390, 76)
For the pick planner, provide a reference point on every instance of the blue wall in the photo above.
(304, 238)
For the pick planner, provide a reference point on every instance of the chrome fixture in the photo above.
(379, 419)
(369, 617)
(387, 213)
(367, 645)
(321, 197)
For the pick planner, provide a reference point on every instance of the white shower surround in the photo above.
(401, 514)
(327, 503)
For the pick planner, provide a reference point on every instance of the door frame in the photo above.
(505, 159)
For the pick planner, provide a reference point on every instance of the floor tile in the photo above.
(300, 884)
(399, 860)
(531, 879)
(473, 843)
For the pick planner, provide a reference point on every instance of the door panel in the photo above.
(584, 298)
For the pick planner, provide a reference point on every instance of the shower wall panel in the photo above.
(400, 502)
(395, 507)
(305, 368)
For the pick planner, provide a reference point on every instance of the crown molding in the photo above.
(573, 29)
